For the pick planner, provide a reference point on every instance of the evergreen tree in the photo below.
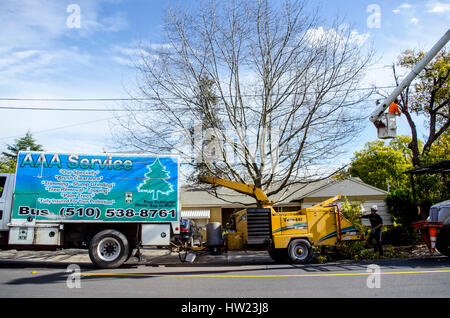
(25, 143)
(8, 159)
(155, 180)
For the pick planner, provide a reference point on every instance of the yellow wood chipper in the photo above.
(288, 236)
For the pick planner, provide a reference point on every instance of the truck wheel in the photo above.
(299, 251)
(109, 249)
(279, 255)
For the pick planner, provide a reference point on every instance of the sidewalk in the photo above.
(151, 256)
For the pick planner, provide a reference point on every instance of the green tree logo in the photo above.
(155, 180)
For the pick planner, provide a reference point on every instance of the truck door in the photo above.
(22, 228)
(6, 190)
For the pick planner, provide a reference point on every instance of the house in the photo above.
(204, 207)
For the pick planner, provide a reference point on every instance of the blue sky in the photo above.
(41, 57)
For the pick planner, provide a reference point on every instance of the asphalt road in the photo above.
(384, 278)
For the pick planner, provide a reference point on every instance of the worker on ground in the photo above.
(376, 222)
(394, 108)
(226, 230)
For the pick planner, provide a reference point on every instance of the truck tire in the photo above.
(279, 255)
(109, 249)
(299, 251)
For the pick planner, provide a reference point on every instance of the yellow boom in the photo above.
(329, 201)
(249, 189)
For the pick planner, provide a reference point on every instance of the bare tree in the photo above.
(258, 93)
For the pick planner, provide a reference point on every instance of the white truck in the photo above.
(109, 204)
(440, 212)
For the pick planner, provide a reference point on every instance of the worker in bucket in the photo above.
(394, 108)
(376, 222)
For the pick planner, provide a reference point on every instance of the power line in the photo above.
(89, 109)
(73, 99)
(68, 109)
(62, 127)
(146, 98)
(104, 99)
(86, 109)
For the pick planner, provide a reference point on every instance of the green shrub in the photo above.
(368, 254)
(352, 211)
(322, 259)
(350, 249)
(400, 236)
(356, 250)
(404, 212)
(402, 208)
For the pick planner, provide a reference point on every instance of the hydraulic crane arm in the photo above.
(376, 115)
(249, 189)
(325, 203)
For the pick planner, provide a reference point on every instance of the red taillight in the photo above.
(184, 230)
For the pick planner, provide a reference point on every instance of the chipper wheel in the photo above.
(299, 251)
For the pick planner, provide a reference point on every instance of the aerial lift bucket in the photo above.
(387, 126)
(428, 230)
